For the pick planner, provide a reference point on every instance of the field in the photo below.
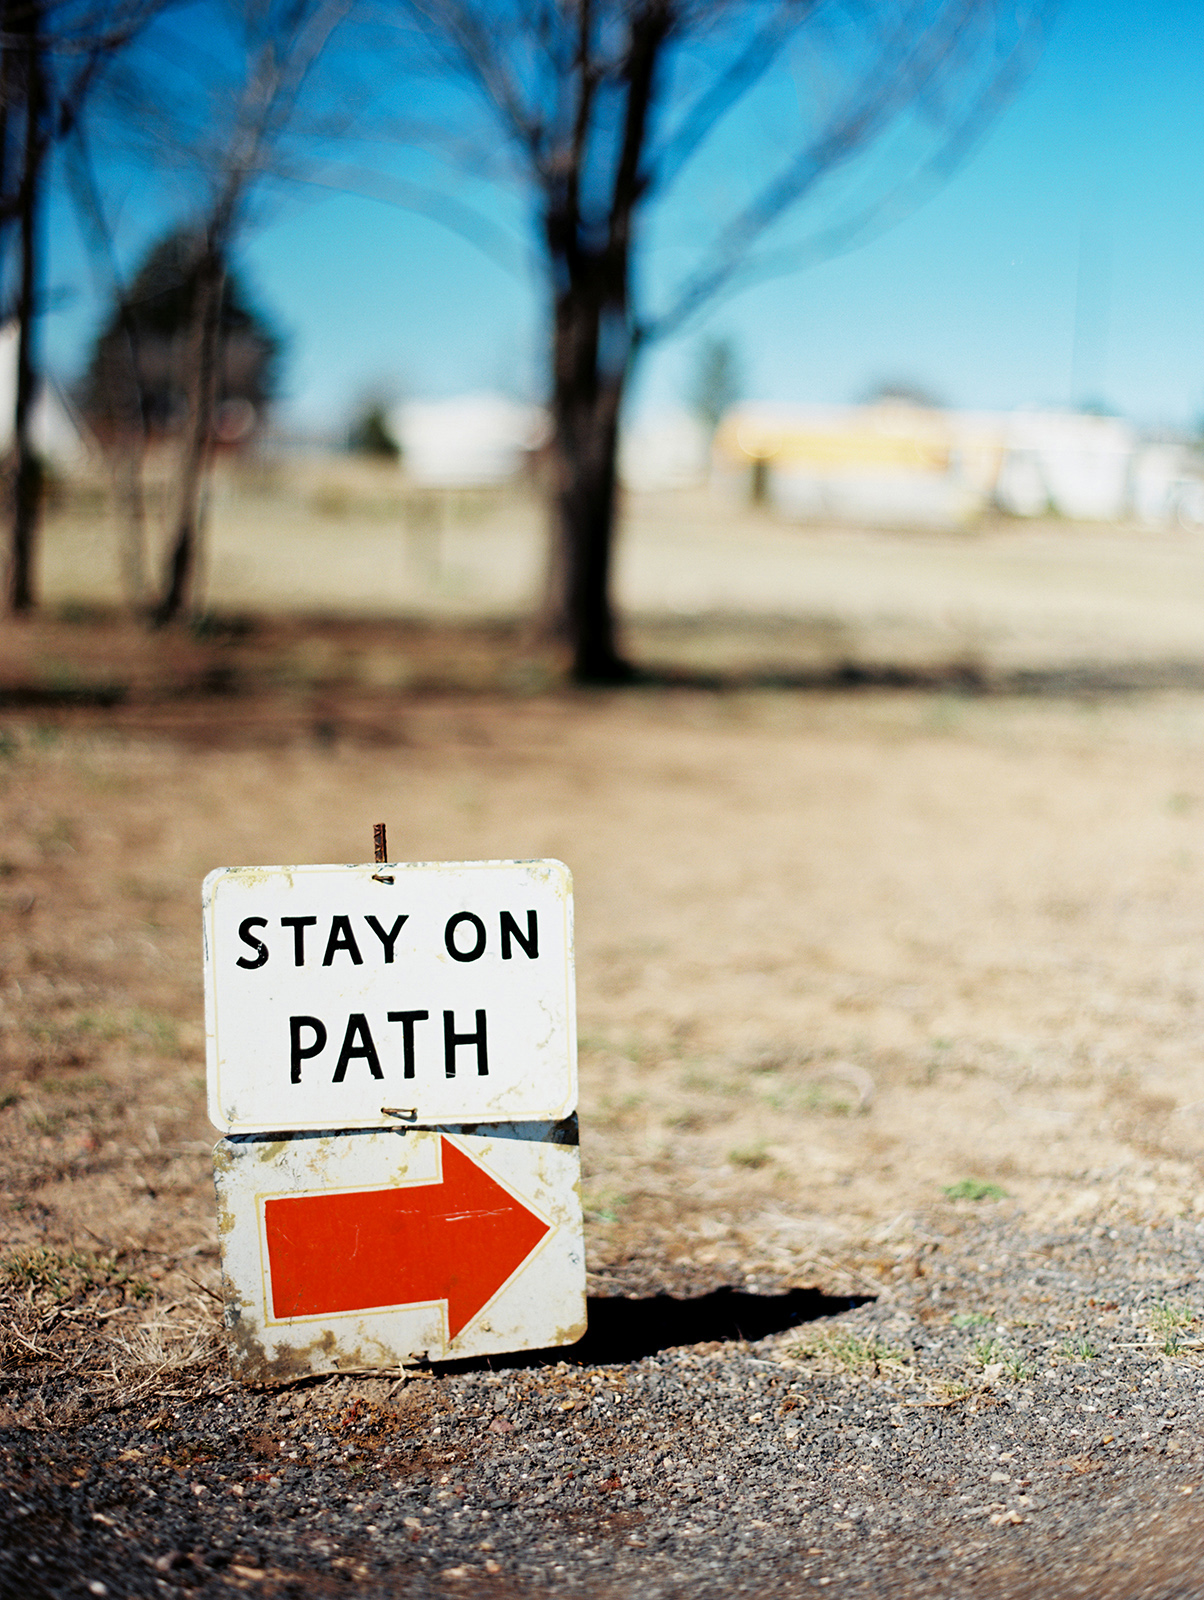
(859, 968)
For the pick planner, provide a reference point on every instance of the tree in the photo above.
(606, 107)
(51, 54)
(371, 432)
(137, 385)
(271, 53)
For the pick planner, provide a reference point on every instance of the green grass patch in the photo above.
(974, 1189)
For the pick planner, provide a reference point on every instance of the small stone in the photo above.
(1001, 1477)
(96, 1587)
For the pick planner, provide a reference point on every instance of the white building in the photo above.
(472, 440)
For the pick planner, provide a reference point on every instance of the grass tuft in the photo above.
(849, 1351)
(751, 1156)
(45, 1274)
(974, 1189)
(1168, 1320)
(1077, 1348)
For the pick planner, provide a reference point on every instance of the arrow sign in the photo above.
(459, 1239)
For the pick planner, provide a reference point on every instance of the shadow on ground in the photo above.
(622, 1330)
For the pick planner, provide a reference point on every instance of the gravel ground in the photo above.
(1006, 1410)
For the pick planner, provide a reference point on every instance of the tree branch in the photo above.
(900, 74)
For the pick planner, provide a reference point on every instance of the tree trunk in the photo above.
(198, 437)
(590, 357)
(126, 462)
(127, 456)
(27, 475)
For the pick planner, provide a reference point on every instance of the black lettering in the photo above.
(449, 936)
(300, 1053)
(407, 1020)
(387, 939)
(452, 1040)
(249, 939)
(341, 938)
(298, 925)
(510, 930)
(357, 1028)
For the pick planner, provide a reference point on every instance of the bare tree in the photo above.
(226, 133)
(607, 106)
(51, 54)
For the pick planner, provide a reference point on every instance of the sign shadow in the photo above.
(623, 1330)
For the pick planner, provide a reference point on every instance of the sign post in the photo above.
(392, 1057)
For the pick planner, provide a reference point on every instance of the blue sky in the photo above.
(1063, 261)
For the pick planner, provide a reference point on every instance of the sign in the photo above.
(362, 1250)
(361, 996)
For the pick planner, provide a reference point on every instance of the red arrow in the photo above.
(457, 1240)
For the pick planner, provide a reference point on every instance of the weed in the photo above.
(974, 1189)
(949, 1390)
(85, 1083)
(1017, 1368)
(988, 1352)
(994, 1353)
(1167, 1320)
(45, 1273)
(751, 1156)
(969, 1319)
(1077, 1348)
(849, 1351)
(130, 1027)
(1168, 1315)
(817, 1099)
(607, 1206)
(47, 1123)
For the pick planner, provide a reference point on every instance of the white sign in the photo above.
(365, 996)
(359, 1251)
